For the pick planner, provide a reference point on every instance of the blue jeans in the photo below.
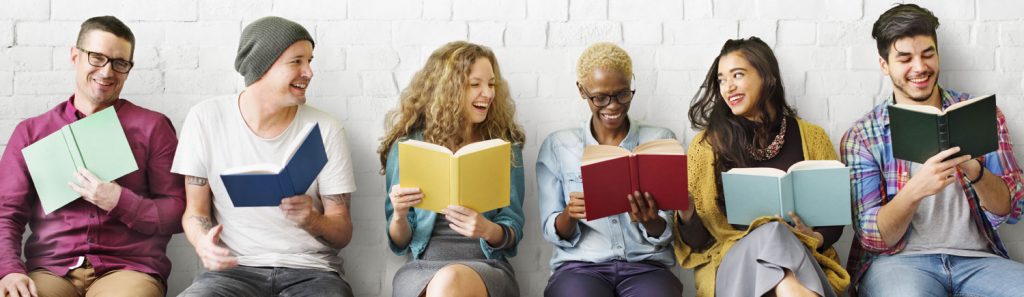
(268, 281)
(942, 275)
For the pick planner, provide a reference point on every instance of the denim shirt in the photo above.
(606, 239)
(421, 221)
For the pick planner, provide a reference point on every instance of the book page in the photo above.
(960, 104)
(660, 147)
(600, 153)
(919, 108)
(294, 146)
(478, 146)
(815, 164)
(760, 171)
(427, 145)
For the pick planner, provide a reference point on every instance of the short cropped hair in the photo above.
(903, 20)
(110, 25)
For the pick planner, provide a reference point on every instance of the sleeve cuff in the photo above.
(552, 234)
(664, 238)
(127, 205)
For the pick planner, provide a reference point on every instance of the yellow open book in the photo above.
(477, 176)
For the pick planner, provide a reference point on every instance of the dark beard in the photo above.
(916, 99)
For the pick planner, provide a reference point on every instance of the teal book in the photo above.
(919, 131)
(818, 191)
(96, 143)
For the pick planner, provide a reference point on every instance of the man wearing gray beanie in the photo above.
(286, 249)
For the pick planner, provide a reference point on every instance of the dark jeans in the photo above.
(268, 281)
(613, 278)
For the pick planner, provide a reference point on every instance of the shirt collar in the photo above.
(632, 137)
(72, 114)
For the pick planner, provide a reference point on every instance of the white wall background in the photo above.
(367, 51)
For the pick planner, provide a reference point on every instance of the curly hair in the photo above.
(433, 102)
(603, 55)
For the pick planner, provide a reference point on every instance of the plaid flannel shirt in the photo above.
(876, 176)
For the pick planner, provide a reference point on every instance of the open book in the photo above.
(266, 184)
(920, 131)
(818, 191)
(611, 172)
(96, 143)
(477, 176)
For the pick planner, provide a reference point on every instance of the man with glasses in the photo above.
(112, 242)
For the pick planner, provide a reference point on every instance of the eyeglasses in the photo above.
(623, 97)
(101, 60)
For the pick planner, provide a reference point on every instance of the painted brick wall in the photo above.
(368, 50)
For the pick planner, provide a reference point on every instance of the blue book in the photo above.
(266, 184)
(818, 191)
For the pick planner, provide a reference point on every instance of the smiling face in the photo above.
(607, 83)
(740, 85)
(100, 86)
(913, 67)
(480, 91)
(289, 76)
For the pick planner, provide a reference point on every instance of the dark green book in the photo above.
(919, 132)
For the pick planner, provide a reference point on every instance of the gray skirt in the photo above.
(446, 247)
(757, 263)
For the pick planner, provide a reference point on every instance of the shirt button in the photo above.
(618, 247)
(615, 221)
(92, 215)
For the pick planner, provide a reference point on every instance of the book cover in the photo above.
(262, 185)
(818, 191)
(96, 142)
(611, 172)
(919, 132)
(477, 176)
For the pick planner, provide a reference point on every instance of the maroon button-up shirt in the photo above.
(132, 236)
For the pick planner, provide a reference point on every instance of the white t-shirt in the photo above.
(215, 137)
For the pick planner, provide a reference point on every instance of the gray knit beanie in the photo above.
(262, 43)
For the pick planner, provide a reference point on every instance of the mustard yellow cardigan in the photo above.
(700, 165)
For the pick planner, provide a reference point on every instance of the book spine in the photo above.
(455, 199)
(72, 144)
(943, 126)
(634, 173)
(284, 179)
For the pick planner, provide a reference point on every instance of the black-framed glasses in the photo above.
(101, 60)
(623, 97)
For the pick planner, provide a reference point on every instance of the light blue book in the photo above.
(818, 191)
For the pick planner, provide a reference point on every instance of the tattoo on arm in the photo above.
(204, 222)
(195, 181)
(340, 199)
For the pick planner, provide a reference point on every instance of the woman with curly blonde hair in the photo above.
(458, 98)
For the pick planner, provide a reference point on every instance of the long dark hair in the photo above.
(725, 132)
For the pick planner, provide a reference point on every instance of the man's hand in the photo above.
(17, 285)
(215, 257)
(102, 194)
(935, 174)
(299, 209)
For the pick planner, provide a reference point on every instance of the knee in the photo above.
(457, 281)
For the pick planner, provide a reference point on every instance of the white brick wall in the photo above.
(368, 50)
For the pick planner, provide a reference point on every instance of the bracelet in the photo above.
(981, 173)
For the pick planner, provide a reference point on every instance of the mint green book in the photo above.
(96, 143)
(818, 191)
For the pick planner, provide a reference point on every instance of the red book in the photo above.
(611, 172)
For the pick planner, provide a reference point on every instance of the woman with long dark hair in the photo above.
(745, 121)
